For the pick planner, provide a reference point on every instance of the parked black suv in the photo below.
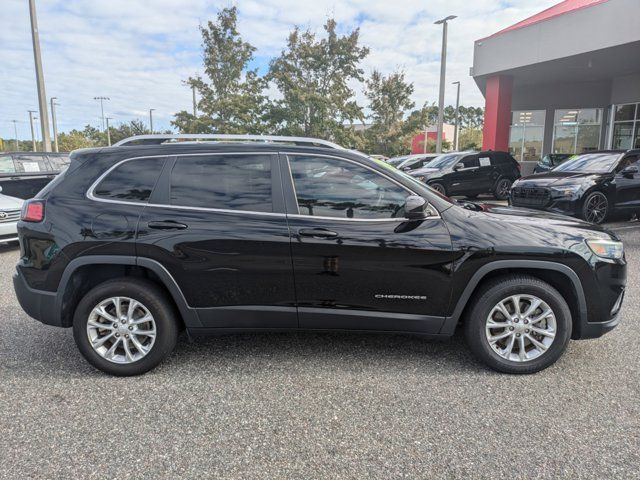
(470, 173)
(133, 243)
(591, 186)
(24, 174)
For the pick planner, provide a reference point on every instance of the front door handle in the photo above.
(166, 225)
(317, 233)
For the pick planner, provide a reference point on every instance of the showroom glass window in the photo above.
(329, 187)
(526, 134)
(228, 182)
(131, 181)
(626, 126)
(577, 130)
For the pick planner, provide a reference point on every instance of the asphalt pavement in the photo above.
(312, 406)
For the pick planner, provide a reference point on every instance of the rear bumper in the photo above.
(38, 304)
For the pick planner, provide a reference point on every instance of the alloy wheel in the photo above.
(521, 328)
(438, 188)
(121, 330)
(503, 188)
(595, 209)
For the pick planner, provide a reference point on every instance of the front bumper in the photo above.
(38, 304)
(8, 231)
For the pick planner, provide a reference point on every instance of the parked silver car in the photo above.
(9, 215)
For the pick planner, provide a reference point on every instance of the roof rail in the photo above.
(158, 139)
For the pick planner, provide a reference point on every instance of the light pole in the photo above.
(42, 96)
(193, 91)
(108, 133)
(443, 70)
(33, 133)
(15, 130)
(151, 110)
(457, 118)
(102, 99)
(54, 123)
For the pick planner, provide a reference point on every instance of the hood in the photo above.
(552, 178)
(528, 218)
(10, 203)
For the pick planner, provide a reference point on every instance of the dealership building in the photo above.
(566, 80)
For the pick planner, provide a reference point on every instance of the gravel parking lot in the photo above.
(318, 406)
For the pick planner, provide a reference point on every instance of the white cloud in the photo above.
(138, 52)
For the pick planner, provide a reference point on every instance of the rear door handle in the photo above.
(317, 233)
(166, 225)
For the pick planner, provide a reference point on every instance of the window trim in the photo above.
(286, 156)
(91, 195)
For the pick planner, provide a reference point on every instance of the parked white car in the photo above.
(9, 215)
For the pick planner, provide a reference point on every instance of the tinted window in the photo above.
(58, 163)
(31, 163)
(6, 164)
(330, 187)
(231, 182)
(133, 180)
(444, 161)
(627, 162)
(469, 162)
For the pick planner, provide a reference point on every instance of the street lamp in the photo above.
(457, 118)
(151, 110)
(33, 133)
(443, 69)
(102, 99)
(54, 123)
(42, 96)
(15, 130)
(108, 132)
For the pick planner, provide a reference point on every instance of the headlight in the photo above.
(611, 249)
(565, 191)
(420, 178)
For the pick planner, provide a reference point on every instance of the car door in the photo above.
(627, 185)
(358, 264)
(464, 179)
(216, 223)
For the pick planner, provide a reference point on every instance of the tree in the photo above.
(313, 77)
(389, 98)
(74, 140)
(231, 98)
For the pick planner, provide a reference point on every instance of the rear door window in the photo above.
(31, 164)
(131, 181)
(229, 182)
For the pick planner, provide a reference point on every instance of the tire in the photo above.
(501, 190)
(438, 187)
(598, 199)
(485, 303)
(152, 349)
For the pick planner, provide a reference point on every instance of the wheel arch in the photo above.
(553, 273)
(81, 275)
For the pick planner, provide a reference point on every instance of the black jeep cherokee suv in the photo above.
(133, 243)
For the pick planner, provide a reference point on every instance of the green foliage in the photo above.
(470, 139)
(231, 98)
(313, 77)
(389, 97)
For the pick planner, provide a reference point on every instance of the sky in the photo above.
(138, 52)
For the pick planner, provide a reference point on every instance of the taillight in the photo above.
(33, 211)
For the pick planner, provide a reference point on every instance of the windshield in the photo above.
(589, 163)
(396, 161)
(444, 160)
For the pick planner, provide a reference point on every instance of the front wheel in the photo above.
(125, 326)
(438, 187)
(501, 192)
(518, 324)
(595, 207)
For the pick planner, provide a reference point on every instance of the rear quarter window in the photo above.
(132, 181)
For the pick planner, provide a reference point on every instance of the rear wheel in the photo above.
(438, 187)
(125, 326)
(518, 324)
(501, 191)
(595, 207)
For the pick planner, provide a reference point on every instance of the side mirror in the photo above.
(0, 189)
(415, 207)
(458, 166)
(630, 171)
